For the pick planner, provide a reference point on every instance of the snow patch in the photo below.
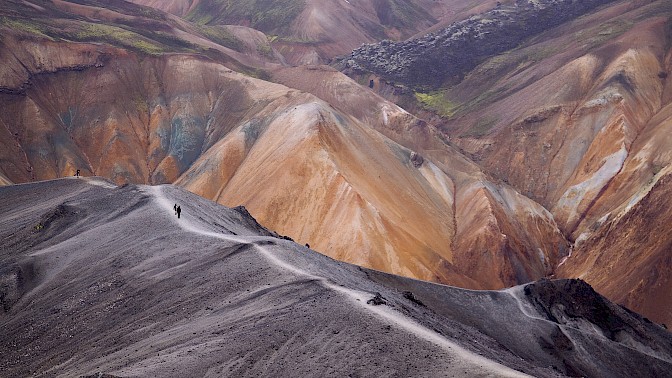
(612, 96)
(582, 238)
(564, 259)
(645, 190)
(384, 109)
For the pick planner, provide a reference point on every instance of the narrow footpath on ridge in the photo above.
(358, 298)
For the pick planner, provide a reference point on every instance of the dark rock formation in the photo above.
(249, 221)
(377, 300)
(409, 295)
(446, 56)
(417, 159)
(572, 302)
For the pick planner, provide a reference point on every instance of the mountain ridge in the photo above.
(519, 168)
(190, 119)
(123, 287)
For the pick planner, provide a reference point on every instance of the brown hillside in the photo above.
(578, 119)
(307, 167)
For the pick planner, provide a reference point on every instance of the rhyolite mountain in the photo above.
(575, 117)
(315, 31)
(174, 106)
(502, 171)
(100, 280)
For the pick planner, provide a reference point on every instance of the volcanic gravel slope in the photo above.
(100, 278)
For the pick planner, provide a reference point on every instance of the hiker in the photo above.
(178, 210)
(77, 174)
(175, 208)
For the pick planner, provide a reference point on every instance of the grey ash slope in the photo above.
(110, 281)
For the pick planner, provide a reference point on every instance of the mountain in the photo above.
(512, 231)
(105, 280)
(596, 151)
(315, 31)
(445, 56)
(539, 151)
(306, 163)
(574, 116)
(542, 154)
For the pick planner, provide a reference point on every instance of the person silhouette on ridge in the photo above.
(178, 210)
(77, 174)
(175, 208)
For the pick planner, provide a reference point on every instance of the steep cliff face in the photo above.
(570, 149)
(628, 258)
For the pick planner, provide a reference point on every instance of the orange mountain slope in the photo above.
(595, 150)
(307, 167)
(578, 119)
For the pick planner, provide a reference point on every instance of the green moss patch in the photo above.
(437, 102)
(265, 15)
(222, 37)
(25, 26)
(594, 37)
(118, 37)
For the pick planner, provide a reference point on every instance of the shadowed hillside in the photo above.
(98, 279)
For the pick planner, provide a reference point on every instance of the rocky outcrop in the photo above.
(573, 302)
(445, 56)
(574, 305)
